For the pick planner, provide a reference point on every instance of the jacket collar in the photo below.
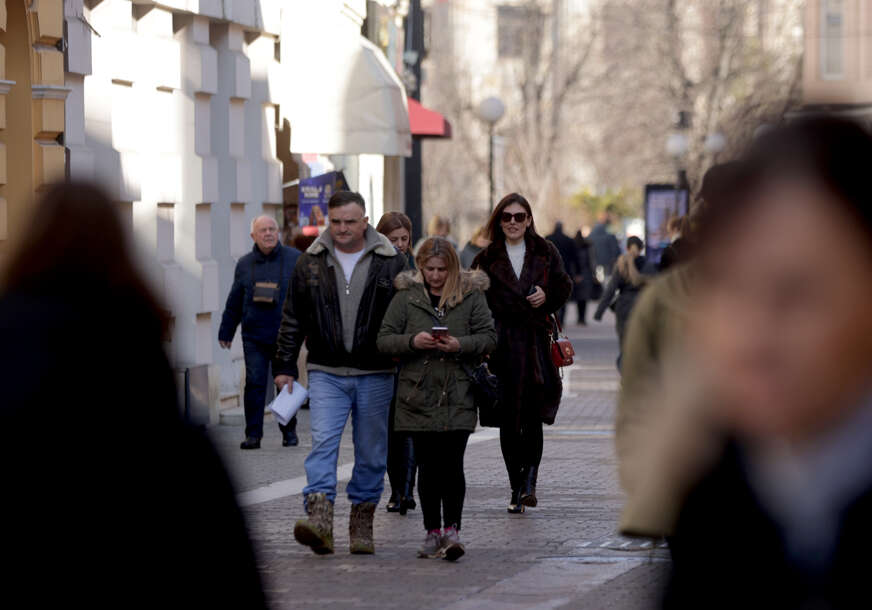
(470, 281)
(375, 242)
(261, 256)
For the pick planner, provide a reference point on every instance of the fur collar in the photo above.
(375, 242)
(469, 280)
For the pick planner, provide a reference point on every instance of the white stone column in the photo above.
(230, 230)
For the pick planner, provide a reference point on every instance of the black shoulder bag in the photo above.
(485, 394)
(485, 390)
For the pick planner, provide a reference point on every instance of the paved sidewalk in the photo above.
(565, 553)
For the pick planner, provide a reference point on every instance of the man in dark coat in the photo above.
(340, 291)
(606, 249)
(569, 255)
(256, 299)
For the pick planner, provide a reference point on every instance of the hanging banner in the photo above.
(315, 193)
(663, 202)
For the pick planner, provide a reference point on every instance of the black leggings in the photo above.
(441, 484)
(522, 443)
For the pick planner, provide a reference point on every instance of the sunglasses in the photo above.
(518, 216)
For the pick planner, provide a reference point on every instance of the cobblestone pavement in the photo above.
(563, 554)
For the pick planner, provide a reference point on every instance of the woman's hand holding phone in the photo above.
(447, 343)
(424, 340)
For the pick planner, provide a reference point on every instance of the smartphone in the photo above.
(439, 332)
(532, 291)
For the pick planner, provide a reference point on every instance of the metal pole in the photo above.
(414, 32)
(491, 164)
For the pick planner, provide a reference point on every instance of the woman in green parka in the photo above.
(434, 391)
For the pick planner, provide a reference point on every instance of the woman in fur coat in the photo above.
(527, 285)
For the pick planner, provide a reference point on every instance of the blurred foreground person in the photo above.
(397, 227)
(260, 285)
(624, 287)
(434, 396)
(116, 499)
(782, 338)
(527, 285)
(658, 400)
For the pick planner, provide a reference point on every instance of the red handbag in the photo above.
(562, 351)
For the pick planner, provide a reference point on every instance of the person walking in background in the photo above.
(568, 254)
(782, 336)
(434, 394)
(676, 252)
(476, 244)
(127, 498)
(624, 287)
(341, 287)
(527, 285)
(397, 227)
(260, 285)
(584, 280)
(439, 226)
(606, 249)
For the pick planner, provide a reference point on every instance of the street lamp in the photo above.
(677, 145)
(491, 110)
(715, 143)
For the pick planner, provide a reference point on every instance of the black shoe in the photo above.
(250, 442)
(394, 503)
(528, 487)
(407, 504)
(289, 439)
(515, 506)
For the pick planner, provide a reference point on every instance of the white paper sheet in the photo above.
(286, 404)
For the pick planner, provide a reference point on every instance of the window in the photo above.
(832, 39)
(518, 27)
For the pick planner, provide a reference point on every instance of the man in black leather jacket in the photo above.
(341, 287)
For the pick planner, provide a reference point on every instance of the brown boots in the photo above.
(360, 529)
(316, 532)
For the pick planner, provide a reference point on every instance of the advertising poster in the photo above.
(662, 203)
(315, 193)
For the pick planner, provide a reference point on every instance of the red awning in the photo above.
(426, 123)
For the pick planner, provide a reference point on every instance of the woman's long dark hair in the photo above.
(75, 239)
(495, 229)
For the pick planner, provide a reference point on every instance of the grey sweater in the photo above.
(350, 295)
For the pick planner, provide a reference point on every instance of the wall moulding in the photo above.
(50, 92)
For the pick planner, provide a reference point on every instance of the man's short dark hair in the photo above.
(341, 198)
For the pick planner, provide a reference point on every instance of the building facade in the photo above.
(185, 111)
(837, 65)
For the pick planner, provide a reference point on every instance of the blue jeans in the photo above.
(368, 399)
(257, 385)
